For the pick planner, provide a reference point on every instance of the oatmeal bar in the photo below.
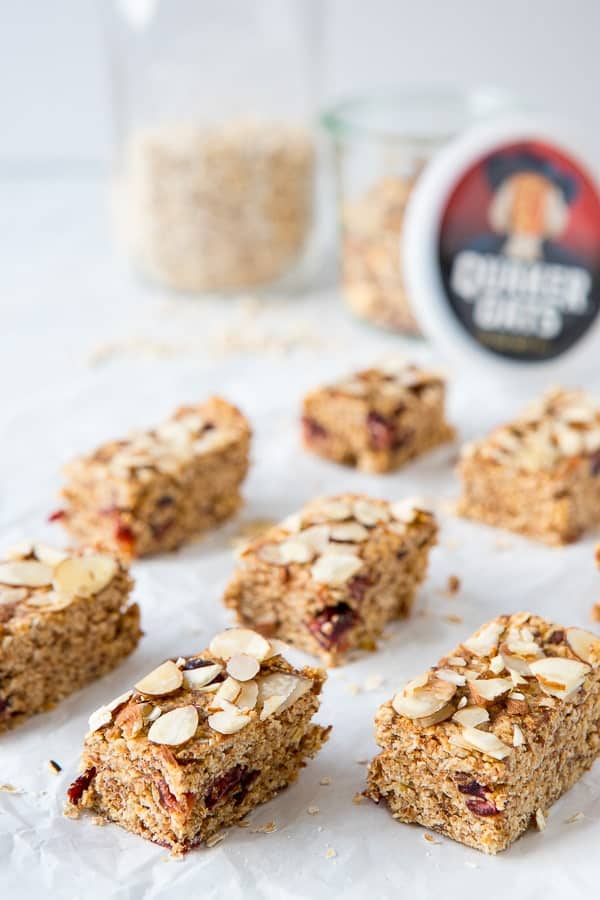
(540, 474)
(157, 489)
(329, 578)
(482, 744)
(200, 741)
(65, 619)
(377, 419)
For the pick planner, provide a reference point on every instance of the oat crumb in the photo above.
(540, 819)
(313, 810)
(358, 798)
(9, 789)
(216, 839)
(430, 838)
(267, 828)
(325, 780)
(330, 853)
(577, 817)
(453, 619)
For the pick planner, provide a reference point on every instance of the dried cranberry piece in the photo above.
(239, 777)
(483, 807)
(557, 637)
(474, 789)
(331, 625)
(81, 784)
(124, 535)
(595, 463)
(358, 586)
(170, 801)
(165, 500)
(382, 432)
(312, 429)
(57, 515)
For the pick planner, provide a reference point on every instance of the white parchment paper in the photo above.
(86, 355)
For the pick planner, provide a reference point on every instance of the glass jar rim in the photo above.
(420, 113)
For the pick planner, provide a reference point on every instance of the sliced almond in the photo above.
(49, 555)
(368, 513)
(485, 640)
(287, 687)
(559, 677)
(25, 573)
(295, 550)
(329, 510)
(203, 675)
(585, 645)
(13, 595)
(248, 695)
(440, 716)
(20, 550)
(278, 648)
(174, 727)
(336, 569)
(119, 701)
(228, 692)
(154, 713)
(417, 700)
(451, 676)
(352, 532)
(456, 661)
(239, 640)
(518, 737)
(271, 705)
(270, 553)
(243, 667)
(165, 679)
(84, 576)
(497, 664)
(227, 722)
(317, 537)
(471, 716)
(292, 523)
(484, 741)
(99, 718)
(484, 690)
(407, 510)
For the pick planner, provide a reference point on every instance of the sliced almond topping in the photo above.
(13, 595)
(487, 690)
(585, 645)
(227, 722)
(119, 701)
(417, 700)
(270, 553)
(197, 678)
(462, 703)
(278, 648)
(25, 573)
(292, 523)
(330, 510)
(247, 697)
(174, 727)
(84, 576)
(271, 705)
(352, 532)
(163, 680)
(316, 537)
(368, 513)
(99, 718)
(243, 667)
(497, 664)
(295, 550)
(407, 510)
(281, 684)
(453, 677)
(20, 550)
(239, 640)
(456, 661)
(154, 713)
(471, 716)
(485, 640)
(484, 741)
(336, 569)
(227, 693)
(558, 676)
(49, 555)
(518, 737)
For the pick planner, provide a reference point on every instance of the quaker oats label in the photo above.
(519, 251)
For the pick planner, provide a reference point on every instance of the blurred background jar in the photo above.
(215, 103)
(380, 146)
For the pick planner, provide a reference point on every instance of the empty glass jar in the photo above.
(215, 103)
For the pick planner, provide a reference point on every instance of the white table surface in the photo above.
(87, 352)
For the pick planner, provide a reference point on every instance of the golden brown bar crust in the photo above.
(65, 620)
(200, 741)
(157, 489)
(483, 743)
(330, 577)
(540, 474)
(377, 419)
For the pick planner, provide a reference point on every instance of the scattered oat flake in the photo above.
(98, 820)
(358, 798)
(540, 819)
(216, 838)
(374, 682)
(577, 817)
(313, 810)
(453, 619)
(325, 780)
(430, 838)
(267, 828)
(243, 824)
(54, 767)
(330, 853)
(9, 789)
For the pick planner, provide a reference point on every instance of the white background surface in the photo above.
(64, 295)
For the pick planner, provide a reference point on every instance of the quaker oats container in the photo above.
(380, 146)
(215, 161)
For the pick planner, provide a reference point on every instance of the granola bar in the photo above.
(482, 744)
(329, 578)
(377, 419)
(65, 620)
(540, 474)
(157, 489)
(200, 741)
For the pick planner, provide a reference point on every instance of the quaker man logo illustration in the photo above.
(517, 283)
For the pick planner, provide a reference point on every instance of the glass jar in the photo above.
(215, 104)
(380, 146)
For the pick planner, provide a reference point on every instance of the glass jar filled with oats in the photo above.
(380, 146)
(215, 103)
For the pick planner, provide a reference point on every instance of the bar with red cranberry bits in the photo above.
(377, 419)
(480, 746)
(200, 741)
(329, 578)
(157, 489)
